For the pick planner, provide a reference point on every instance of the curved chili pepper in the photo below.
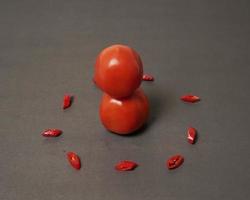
(74, 160)
(190, 98)
(67, 101)
(191, 135)
(175, 161)
(126, 165)
(147, 77)
(51, 133)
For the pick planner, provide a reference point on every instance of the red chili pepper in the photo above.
(67, 101)
(175, 161)
(74, 160)
(190, 98)
(51, 133)
(126, 165)
(147, 77)
(191, 135)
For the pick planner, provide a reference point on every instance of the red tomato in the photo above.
(126, 115)
(118, 71)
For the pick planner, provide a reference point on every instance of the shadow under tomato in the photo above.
(72, 99)
(156, 107)
(157, 104)
(137, 132)
(158, 101)
(197, 137)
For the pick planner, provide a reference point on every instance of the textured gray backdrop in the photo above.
(48, 48)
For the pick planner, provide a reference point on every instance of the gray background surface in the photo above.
(48, 48)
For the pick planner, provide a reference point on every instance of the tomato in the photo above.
(118, 71)
(124, 116)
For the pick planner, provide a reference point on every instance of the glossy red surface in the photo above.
(190, 98)
(51, 133)
(126, 165)
(124, 116)
(175, 161)
(118, 71)
(66, 101)
(147, 77)
(74, 160)
(191, 135)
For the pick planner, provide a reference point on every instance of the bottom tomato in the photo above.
(124, 116)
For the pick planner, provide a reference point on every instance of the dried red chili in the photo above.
(51, 133)
(126, 165)
(190, 98)
(74, 160)
(175, 161)
(191, 135)
(147, 77)
(67, 101)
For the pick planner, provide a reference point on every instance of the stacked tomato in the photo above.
(124, 107)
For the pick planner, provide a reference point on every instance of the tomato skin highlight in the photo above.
(147, 77)
(126, 165)
(175, 161)
(52, 133)
(118, 71)
(74, 160)
(124, 116)
(191, 135)
(190, 98)
(67, 100)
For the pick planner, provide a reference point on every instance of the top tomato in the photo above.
(118, 71)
